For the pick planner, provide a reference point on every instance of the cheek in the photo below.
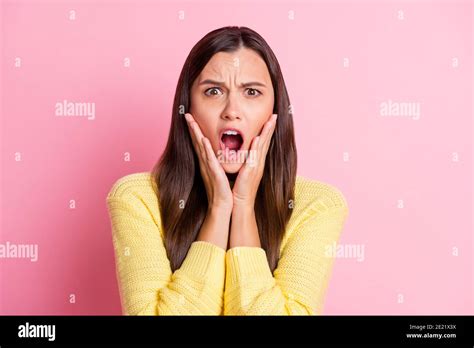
(262, 109)
(205, 124)
(258, 128)
(198, 107)
(203, 114)
(260, 121)
(261, 105)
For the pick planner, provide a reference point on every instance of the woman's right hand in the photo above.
(219, 193)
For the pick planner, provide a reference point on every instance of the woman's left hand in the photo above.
(248, 179)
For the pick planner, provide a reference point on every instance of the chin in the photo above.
(231, 168)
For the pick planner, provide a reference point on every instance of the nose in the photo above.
(232, 110)
(230, 116)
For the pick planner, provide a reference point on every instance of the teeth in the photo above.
(231, 132)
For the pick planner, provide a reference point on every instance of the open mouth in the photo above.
(232, 140)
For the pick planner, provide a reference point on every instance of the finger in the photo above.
(203, 165)
(266, 127)
(211, 157)
(199, 136)
(271, 124)
(205, 154)
(199, 139)
(196, 128)
(252, 158)
(205, 161)
(264, 141)
(194, 136)
(191, 134)
(267, 133)
(188, 118)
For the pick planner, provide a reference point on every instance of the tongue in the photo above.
(233, 142)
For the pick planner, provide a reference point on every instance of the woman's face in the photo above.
(234, 91)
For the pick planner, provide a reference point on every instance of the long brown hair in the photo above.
(180, 189)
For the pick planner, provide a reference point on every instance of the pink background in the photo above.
(408, 265)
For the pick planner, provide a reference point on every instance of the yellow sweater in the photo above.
(213, 281)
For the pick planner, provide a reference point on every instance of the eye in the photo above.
(212, 91)
(254, 92)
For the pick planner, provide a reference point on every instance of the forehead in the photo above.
(244, 63)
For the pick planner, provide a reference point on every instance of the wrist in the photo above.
(219, 211)
(215, 228)
(243, 207)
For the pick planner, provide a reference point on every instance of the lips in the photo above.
(231, 138)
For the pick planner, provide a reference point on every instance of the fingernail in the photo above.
(186, 116)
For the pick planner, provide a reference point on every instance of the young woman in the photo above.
(223, 225)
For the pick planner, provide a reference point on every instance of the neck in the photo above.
(232, 177)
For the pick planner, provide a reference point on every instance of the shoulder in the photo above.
(135, 184)
(314, 199)
(318, 195)
(134, 196)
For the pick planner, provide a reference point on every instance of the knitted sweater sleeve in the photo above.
(298, 284)
(146, 283)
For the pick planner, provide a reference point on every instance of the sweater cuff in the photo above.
(205, 261)
(247, 264)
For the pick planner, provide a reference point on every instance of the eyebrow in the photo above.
(245, 84)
